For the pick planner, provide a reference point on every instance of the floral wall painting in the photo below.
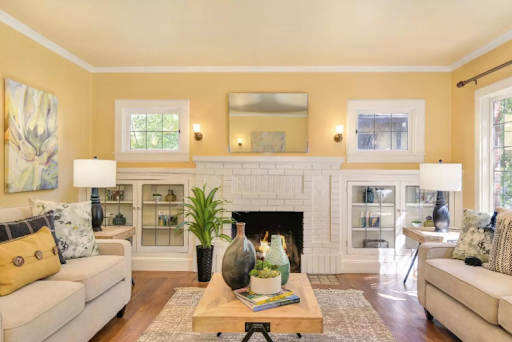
(31, 159)
(268, 141)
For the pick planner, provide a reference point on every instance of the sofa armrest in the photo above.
(121, 248)
(430, 251)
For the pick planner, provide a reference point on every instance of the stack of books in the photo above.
(259, 302)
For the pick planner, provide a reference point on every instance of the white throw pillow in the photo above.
(73, 226)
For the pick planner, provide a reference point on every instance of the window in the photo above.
(502, 152)
(152, 130)
(385, 131)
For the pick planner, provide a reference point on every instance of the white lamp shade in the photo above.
(441, 177)
(339, 129)
(196, 128)
(94, 173)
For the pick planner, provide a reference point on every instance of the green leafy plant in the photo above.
(416, 221)
(156, 195)
(265, 270)
(206, 213)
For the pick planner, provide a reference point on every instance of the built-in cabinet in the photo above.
(154, 208)
(377, 209)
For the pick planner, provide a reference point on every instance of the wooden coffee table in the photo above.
(219, 311)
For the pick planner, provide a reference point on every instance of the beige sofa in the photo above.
(472, 302)
(72, 305)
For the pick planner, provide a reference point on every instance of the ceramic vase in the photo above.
(277, 256)
(239, 259)
(266, 286)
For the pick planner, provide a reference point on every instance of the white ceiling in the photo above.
(266, 32)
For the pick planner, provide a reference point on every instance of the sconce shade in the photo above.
(441, 177)
(94, 173)
(196, 128)
(339, 129)
(239, 142)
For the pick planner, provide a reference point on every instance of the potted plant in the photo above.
(157, 197)
(416, 223)
(265, 278)
(206, 224)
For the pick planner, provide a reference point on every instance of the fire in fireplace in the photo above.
(260, 226)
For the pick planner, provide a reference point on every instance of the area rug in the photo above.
(348, 317)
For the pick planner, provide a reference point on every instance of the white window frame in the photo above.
(124, 108)
(416, 131)
(484, 158)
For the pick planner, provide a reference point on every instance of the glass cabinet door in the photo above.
(161, 212)
(372, 217)
(118, 205)
(419, 206)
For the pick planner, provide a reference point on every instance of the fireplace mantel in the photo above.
(269, 159)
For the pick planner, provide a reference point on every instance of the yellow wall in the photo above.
(463, 111)
(26, 61)
(328, 95)
(295, 129)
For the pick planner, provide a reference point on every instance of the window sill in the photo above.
(152, 157)
(385, 157)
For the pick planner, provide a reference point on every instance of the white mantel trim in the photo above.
(268, 159)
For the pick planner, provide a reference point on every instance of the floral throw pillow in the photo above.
(476, 242)
(470, 218)
(73, 226)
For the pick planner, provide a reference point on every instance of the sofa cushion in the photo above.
(38, 310)
(476, 287)
(97, 273)
(505, 313)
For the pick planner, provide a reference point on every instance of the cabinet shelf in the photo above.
(161, 203)
(421, 205)
(373, 204)
(373, 229)
(116, 202)
(160, 227)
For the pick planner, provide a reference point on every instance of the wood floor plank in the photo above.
(395, 302)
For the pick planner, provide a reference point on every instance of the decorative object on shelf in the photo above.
(94, 174)
(119, 220)
(428, 222)
(239, 259)
(339, 133)
(368, 195)
(157, 197)
(197, 132)
(375, 243)
(31, 139)
(170, 197)
(441, 177)
(108, 193)
(416, 223)
(207, 224)
(239, 142)
(277, 256)
(265, 278)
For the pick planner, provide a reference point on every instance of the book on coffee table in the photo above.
(293, 299)
(258, 299)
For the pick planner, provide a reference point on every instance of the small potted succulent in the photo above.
(416, 223)
(265, 278)
(157, 197)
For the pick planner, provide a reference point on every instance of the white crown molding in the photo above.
(268, 159)
(256, 69)
(27, 31)
(483, 50)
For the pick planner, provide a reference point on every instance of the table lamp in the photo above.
(94, 174)
(441, 177)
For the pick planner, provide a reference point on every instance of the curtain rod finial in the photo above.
(460, 84)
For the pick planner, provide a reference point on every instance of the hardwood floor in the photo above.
(395, 302)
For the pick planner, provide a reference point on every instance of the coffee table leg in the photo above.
(218, 334)
(257, 327)
(412, 263)
(299, 335)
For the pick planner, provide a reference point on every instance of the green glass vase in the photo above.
(277, 256)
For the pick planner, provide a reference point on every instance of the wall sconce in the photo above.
(239, 142)
(339, 133)
(197, 132)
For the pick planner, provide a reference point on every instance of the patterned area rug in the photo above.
(348, 317)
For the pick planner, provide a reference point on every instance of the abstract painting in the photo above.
(31, 141)
(268, 141)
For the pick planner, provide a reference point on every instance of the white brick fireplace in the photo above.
(310, 185)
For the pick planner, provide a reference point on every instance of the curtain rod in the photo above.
(473, 79)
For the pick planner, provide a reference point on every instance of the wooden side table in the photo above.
(423, 235)
(116, 232)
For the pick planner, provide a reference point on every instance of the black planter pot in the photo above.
(204, 263)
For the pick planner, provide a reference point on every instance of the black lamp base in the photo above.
(441, 215)
(97, 210)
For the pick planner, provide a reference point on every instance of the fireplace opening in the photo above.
(259, 225)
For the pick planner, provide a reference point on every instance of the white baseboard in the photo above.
(163, 264)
